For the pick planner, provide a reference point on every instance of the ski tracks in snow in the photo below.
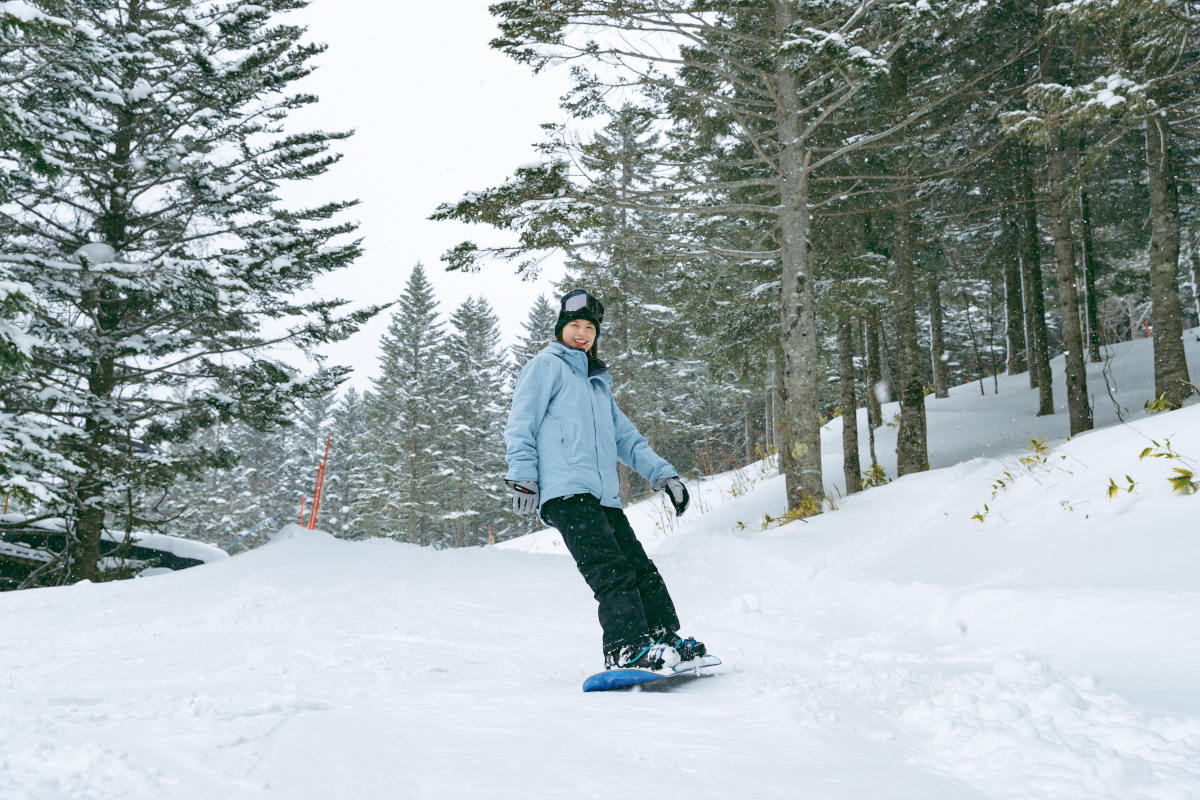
(999, 720)
(896, 668)
(1022, 730)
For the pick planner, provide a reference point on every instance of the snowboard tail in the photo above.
(626, 678)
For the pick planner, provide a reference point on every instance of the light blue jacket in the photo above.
(566, 433)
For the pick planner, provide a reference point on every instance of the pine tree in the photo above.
(538, 330)
(303, 452)
(404, 494)
(349, 467)
(1057, 133)
(26, 35)
(168, 265)
(268, 473)
(263, 480)
(211, 507)
(477, 409)
(24, 439)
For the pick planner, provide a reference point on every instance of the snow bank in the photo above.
(183, 548)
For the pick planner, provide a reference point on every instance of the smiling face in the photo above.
(579, 333)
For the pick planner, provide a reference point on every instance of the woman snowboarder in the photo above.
(564, 437)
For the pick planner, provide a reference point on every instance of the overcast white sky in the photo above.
(436, 113)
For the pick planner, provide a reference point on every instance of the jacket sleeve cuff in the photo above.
(515, 475)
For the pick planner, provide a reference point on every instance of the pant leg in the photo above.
(656, 600)
(589, 537)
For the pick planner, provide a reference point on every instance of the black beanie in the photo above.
(592, 311)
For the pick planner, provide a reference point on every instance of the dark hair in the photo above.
(591, 351)
(585, 306)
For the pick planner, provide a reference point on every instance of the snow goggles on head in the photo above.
(578, 299)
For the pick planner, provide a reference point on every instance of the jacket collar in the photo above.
(578, 361)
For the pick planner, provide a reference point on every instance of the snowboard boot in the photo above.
(654, 656)
(688, 648)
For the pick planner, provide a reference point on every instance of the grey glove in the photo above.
(676, 492)
(525, 497)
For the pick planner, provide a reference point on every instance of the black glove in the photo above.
(676, 493)
(525, 497)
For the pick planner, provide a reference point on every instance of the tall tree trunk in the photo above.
(870, 342)
(787, 464)
(967, 304)
(769, 414)
(889, 388)
(801, 421)
(1031, 356)
(1195, 266)
(1035, 298)
(991, 342)
(850, 464)
(873, 377)
(937, 340)
(1091, 313)
(777, 403)
(1014, 310)
(748, 453)
(1171, 380)
(84, 553)
(106, 309)
(1078, 406)
(415, 532)
(912, 451)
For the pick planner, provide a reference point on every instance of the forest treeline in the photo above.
(788, 207)
(418, 456)
(910, 190)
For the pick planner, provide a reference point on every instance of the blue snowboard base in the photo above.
(628, 678)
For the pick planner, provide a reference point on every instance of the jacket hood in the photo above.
(578, 360)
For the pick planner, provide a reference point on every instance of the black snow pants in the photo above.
(634, 603)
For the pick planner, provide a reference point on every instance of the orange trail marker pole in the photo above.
(302, 499)
(312, 521)
(312, 514)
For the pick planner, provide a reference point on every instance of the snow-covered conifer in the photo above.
(477, 406)
(25, 441)
(347, 466)
(166, 263)
(538, 331)
(403, 495)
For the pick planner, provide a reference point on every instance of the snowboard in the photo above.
(629, 678)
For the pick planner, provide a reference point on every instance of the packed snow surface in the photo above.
(997, 627)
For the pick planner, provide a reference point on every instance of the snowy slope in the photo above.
(896, 648)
